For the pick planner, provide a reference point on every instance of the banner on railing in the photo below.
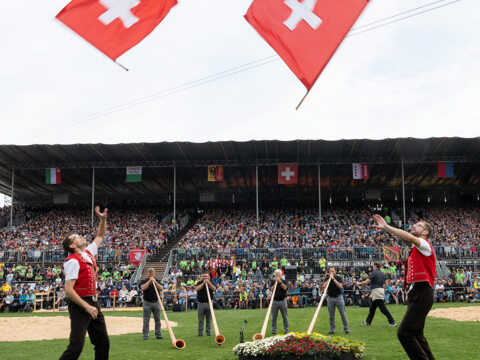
(391, 253)
(136, 256)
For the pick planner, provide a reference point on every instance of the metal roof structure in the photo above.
(240, 159)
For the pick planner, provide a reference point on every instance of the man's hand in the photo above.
(101, 216)
(92, 310)
(380, 223)
(102, 229)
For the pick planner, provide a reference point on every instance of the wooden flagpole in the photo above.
(123, 67)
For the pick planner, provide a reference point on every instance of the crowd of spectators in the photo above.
(127, 229)
(243, 284)
(340, 227)
(28, 280)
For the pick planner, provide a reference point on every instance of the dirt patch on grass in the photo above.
(470, 313)
(58, 327)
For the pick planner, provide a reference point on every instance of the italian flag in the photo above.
(134, 174)
(53, 176)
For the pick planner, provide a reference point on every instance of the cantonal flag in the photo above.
(53, 176)
(134, 173)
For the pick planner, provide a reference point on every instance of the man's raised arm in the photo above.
(102, 227)
(381, 224)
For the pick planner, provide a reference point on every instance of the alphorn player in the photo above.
(203, 306)
(81, 284)
(150, 304)
(419, 279)
(279, 302)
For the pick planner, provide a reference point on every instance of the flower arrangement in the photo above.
(298, 345)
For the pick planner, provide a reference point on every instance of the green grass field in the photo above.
(448, 339)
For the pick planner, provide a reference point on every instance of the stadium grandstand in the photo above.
(219, 206)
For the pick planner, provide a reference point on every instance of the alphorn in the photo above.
(176, 343)
(312, 324)
(261, 335)
(219, 339)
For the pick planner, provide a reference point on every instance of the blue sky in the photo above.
(418, 77)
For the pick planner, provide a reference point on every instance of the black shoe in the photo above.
(331, 332)
(145, 338)
(159, 337)
(347, 331)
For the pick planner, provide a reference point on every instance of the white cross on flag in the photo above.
(360, 171)
(114, 26)
(287, 173)
(304, 33)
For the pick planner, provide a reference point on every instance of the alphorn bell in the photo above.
(261, 335)
(312, 324)
(176, 343)
(219, 339)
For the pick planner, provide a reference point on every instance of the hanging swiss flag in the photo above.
(304, 33)
(114, 26)
(287, 173)
(136, 256)
(360, 171)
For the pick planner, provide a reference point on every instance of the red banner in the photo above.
(136, 256)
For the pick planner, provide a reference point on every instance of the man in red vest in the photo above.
(420, 271)
(81, 284)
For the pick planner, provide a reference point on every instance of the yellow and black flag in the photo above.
(215, 173)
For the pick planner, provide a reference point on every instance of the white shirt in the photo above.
(424, 248)
(72, 267)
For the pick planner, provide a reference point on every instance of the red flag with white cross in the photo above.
(287, 173)
(304, 33)
(114, 26)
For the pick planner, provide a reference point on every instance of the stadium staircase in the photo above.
(159, 261)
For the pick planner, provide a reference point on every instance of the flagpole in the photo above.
(256, 186)
(403, 190)
(174, 192)
(93, 192)
(319, 198)
(11, 199)
(301, 101)
(123, 67)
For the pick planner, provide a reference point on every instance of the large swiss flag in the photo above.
(304, 33)
(287, 173)
(114, 26)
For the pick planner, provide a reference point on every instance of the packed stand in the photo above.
(45, 231)
(20, 283)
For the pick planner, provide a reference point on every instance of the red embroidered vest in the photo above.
(419, 267)
(87, 275)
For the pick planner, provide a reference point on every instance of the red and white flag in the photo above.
(114, 26)
(287, 173)
(360, 171)
(136, 256)
(304, 33)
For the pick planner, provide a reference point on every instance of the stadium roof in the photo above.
(239, 159)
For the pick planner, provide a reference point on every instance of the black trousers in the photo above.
(410, 331)
(81, 322)
(381, 305)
